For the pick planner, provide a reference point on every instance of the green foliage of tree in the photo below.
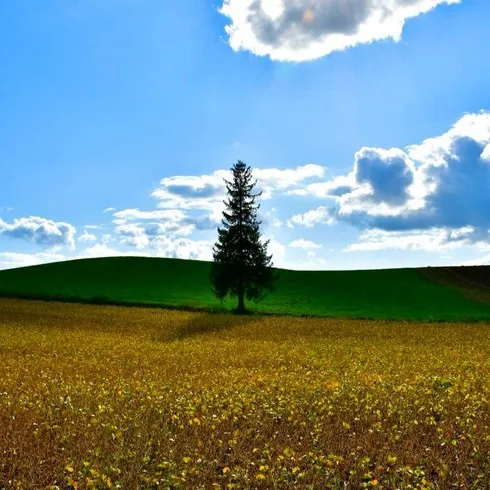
(242, 267)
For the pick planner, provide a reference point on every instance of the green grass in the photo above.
(411, 294)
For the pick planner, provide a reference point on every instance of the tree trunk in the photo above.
(241, 303)
(241, 295)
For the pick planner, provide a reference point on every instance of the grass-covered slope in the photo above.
(397, 294)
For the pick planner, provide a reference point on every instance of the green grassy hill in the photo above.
(412, 294)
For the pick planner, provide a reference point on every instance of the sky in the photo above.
(366, 123)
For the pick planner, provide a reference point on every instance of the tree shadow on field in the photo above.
(209, 323)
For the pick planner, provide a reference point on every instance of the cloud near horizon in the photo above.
(426, 196)
(186, 207)
(428, 240)
(303, 30)
(41, 231)
(12, 260)
(189, 204)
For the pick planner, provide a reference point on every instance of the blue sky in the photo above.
(368, 128)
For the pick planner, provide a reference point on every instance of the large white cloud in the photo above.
(443, 181)
(300, 30)
(41, 231)
(441, 184)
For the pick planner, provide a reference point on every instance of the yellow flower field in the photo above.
(109, 397)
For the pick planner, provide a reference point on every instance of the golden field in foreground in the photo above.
(109, 397)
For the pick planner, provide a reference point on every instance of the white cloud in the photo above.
(485, 260)
(486, 153)
(158, 233)
(188, 205)
(428, 196)
(433, 240)
(331, 188)
(275, 180)
(133, 235)
(276, 223)
(204, 192)
(172, 221)
(183, 248)
(207, 192)
(100, 250)
(313, 262)
(301, 30)
(303, 244)
(278, 252)
(270, 219)
(320, 215)
(142, 229)
(41, 231)
(443, 182)
(136, 214)
(317, 261)
(12, 260)
(425, 193)
(87, 237)
(437, 151)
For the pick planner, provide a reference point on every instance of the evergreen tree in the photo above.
(241, 268)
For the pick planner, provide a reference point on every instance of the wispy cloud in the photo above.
(435, 239)
(305, 244)
(87, 237)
